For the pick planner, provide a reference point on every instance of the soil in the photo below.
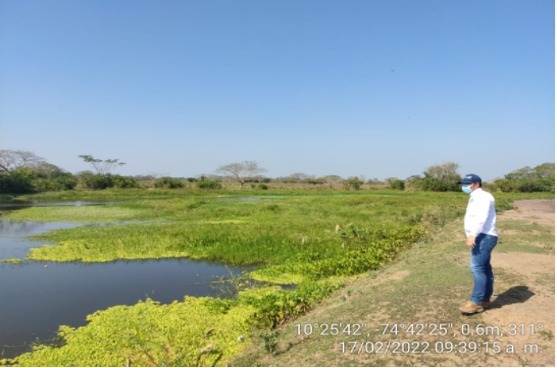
(530, 302)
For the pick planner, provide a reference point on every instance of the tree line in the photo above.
(25, 172)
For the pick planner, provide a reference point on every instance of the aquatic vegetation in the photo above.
(197, 331)
(11, 260)
(194, 332)
(83, 214)
(242, 232)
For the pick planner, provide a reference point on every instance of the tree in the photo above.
(353, 182)
(538, 179)
(18, 180)
(332, 180)
(252, 169)
(241, 171)
(395, 183)
(441, 178)
(299, 177)
(49, 177)
(206, 183)
(25, 172)
(167, 182)
(102, 167)
(16, 159)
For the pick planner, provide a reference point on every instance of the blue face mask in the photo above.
(467, 188)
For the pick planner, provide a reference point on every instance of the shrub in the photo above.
(397, 184)
(208, 184)
(168, 183)
(17, 181)
(124, 182)
(438, 178)
(64, 181)
(353, 183)
(527, 180)
(92, 181)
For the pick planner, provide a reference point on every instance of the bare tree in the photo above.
(252, 169)
(102, 167)
(14, 159)
(332, 180)
(298, 176)
(240, 171)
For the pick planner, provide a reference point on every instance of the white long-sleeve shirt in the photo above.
(480, 215)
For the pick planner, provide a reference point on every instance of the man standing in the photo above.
(481, 238)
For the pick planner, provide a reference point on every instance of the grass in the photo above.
(82, 214)
(318, 240)
(526, 237)
(424, 285)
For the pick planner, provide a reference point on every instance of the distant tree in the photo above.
(375, 181)
(47, 170)
(124, 182)
(167, 182)
(353, 183)
(235, 170)
(441, 178)
(252, 169)
(299, 177)
(25, 172)
(50, 177)
(15, 159)
(314, 181)
(17, 181)
(102, 167)
(241, 171)
(395, 183)
(91, 181)
(332, 180)
(538, 179)
(207, 183)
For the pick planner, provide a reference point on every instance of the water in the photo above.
(12, 236)
(20, 205)
(37, 297)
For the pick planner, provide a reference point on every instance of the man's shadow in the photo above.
(516, 294)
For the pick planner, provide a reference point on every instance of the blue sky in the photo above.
(379, 88)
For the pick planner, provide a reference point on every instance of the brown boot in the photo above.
(471, 308)
(487, 305)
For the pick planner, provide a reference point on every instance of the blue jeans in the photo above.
(480, 265)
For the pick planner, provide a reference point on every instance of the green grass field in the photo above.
(315, 239)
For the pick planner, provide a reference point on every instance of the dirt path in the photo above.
(529, 300)
(424, 289)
